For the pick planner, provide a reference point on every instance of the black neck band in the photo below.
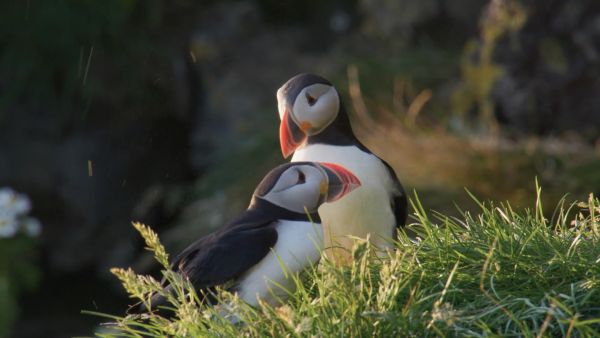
(338, 133)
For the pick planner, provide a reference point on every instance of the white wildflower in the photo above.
(14, 208)
(18, 204)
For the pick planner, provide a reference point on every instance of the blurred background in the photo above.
(164, 112)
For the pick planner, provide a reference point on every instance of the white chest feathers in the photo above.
(299, 245)
(367, 210)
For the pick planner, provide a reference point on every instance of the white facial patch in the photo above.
(281, 102)
(315, 108)
(297, 188)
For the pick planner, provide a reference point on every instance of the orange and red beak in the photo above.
(341, 181)
(291, 136)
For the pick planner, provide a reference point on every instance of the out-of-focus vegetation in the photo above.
(18, 269)
(500, 271)
(478, 70)
(19, 273)
(164, 112)
(52, 50)
(442, 163)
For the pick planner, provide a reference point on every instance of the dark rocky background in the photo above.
(171, 104)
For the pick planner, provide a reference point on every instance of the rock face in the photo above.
(85, 182)
(399, 21)
(397, 18)
(551, 77)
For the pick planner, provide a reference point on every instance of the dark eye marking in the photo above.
(301, 178)
(311, 100)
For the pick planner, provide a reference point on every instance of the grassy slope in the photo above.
(497, 273)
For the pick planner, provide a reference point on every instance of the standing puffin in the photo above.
(280, 233)
(315, 127)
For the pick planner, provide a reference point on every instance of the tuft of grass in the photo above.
(498, 272)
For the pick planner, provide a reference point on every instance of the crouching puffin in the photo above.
(315, 127)
(280, 233)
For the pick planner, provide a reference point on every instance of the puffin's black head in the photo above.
(307, 104)
(304, 186)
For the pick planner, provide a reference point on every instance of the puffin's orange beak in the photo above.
(290, 135)
(341, 181)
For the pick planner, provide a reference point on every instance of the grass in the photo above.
(498, 272)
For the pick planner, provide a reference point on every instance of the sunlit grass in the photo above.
(498, 272)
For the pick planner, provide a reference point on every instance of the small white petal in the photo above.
(21, 204)
(7, 215)
(6, 196)
(32, 226)
(8, 228)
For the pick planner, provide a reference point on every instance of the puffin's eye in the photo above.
(301, 178)
(311, 100)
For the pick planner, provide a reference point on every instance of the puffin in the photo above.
(315, 127)
(278, 235)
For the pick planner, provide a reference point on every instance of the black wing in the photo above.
(225, 254)
(398, 200)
